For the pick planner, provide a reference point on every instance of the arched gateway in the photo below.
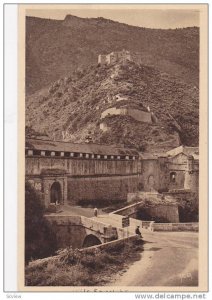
(56, 193)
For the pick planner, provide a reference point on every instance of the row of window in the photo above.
(74, 154)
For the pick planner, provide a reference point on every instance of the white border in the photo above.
(10, 159)
(10, 122)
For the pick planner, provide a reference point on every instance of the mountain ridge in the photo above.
(74, 107)
(55, 48)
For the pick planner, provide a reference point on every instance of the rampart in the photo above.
(136, 114)
(166, 210)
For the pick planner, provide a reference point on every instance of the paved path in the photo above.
(168, 259)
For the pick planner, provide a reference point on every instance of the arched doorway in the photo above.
(151, 182)
(56, 193)
(173, 177)
(90, 240)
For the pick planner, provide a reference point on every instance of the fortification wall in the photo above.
(179, 180)
(77, 167)
(113, 111)
(139, 115)
(136, 114)
(85, 179)
(169, 212)
(114, 57)
(186, 172)
(192, 181)
(113, 188)
(104, 127)
(154, 174)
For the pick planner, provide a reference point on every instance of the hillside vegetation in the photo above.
(73, 106)
(71, 267)
(55, 48)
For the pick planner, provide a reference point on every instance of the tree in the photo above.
(40, 240)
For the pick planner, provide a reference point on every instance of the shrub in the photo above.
(93, 262)
(69, 256)
(142, 147)
(188, 212)
(117, 248)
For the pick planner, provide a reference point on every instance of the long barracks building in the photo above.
(69, 172)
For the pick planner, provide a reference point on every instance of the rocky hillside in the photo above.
(55, 48)
(71, 108)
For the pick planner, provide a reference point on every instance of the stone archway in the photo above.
(56, 193)
(91, 240)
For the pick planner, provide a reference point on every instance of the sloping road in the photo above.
(169, 259)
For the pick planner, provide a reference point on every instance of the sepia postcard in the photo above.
(113, 123)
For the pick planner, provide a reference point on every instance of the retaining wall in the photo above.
(167, 211)
(89, 250)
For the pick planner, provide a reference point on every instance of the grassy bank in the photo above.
(74, 268)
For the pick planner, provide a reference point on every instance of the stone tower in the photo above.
(192, 175)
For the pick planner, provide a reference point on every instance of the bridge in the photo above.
(80, 232)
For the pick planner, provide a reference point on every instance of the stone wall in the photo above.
(154, 174)
(113, 57)
(192, 181)
(139, 115)
(109, 245)
(69, 232)
(175, 227)
(136, 114)
(81, 167)
(104, 127)
(183, 195)
(179, 180)
(103, 179)
(118, 219)
(166, 211)
(113, 188)
(72, 230)
(107, 179)
(177, 166)
(84, 179)
(89, 250)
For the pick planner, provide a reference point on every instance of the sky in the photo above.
(150, 18)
